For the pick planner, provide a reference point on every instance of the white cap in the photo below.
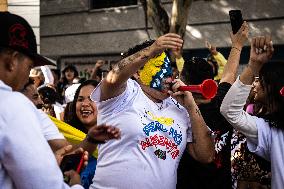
(70, 92)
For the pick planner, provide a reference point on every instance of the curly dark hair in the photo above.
(196, 70)
(48, 95)
(272, 80)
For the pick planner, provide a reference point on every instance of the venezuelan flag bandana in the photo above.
(155, 70)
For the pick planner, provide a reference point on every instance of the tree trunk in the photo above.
(3, 5)
(180, 11)
(158, 17)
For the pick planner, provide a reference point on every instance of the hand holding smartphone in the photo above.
(72, 162)
(236, 20)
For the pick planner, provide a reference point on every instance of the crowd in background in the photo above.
(247, 134)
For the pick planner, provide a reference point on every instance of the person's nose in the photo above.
(86, 102)
(169, 80)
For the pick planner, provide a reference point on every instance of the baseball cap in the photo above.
(17, 34)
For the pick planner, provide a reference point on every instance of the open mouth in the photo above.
(86, 113)
(166, 87)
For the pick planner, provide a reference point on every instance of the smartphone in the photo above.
(72, 162)
(236, 20)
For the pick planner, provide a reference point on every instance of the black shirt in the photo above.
(194, 175)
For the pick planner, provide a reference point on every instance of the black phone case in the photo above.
(236, 19)
(70, 162)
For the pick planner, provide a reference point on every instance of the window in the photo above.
(98, 4)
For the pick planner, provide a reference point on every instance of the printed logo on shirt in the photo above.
(161, 154)
(154, 130)
(221, 140)
(158, 142)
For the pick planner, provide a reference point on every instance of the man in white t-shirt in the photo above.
(26, 160)
(51, 133)
(155, 128)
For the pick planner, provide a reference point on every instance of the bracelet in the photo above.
(236, 48)
(93, 141)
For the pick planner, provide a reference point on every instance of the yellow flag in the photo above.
(72, 135)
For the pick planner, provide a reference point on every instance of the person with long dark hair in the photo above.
(83, 116)
(68, 74)
(265, 133)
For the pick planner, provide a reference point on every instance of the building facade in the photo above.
(82, 31)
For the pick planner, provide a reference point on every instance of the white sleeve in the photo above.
(232, 109)
(48, 77)
(25, 155)
(49, 129)
(77, 186)
(265, 137)
(118, 103)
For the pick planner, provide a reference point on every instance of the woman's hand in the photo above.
(73, 177)
(260, 53)
(211, 48)
(102, 133)
(239, 39)
(59, 154)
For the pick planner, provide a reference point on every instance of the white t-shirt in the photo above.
(49, 129)
(153, 138)
(263, 140)
(58, 109)
(26, 160)
(270, 146)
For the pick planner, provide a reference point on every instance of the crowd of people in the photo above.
(135, 126)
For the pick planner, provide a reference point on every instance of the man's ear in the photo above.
(12, 63)
(9, 61)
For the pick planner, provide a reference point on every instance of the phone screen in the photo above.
(72, 162)
(236, 19)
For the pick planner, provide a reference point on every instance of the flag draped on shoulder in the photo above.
(72, 135)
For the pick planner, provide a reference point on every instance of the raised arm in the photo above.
(238, 40)
(95, 70)
(235, 99)
(115, 82)
(260, 53)
(202, 146)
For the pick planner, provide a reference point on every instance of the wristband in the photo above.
(93, 141)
